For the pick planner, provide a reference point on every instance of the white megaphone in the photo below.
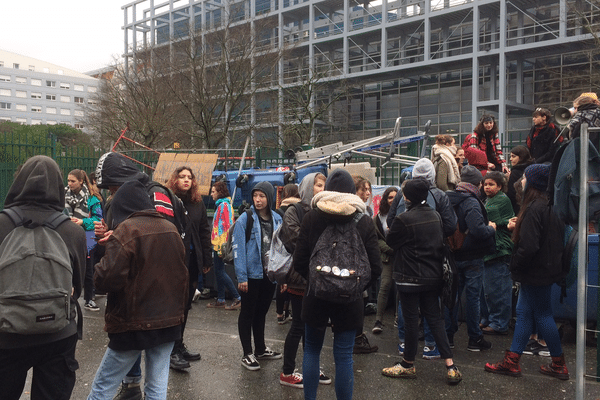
(562, 115)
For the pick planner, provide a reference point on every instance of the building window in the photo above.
(78, 126)
(65, 111)
(4, 106)
(21, 120)
(21, 93)
(15, 65)
(35, 95)
(65, 99)
(21, 107)
(1, 63)
(78, 88)
(32, 67)
(5, 92)
(60, 72)
(5, 78)
(51, 83)
(92, 89)
(51, 97)
(79, 100)
(50, 110)
(36, 109)
(51, 122)
(21, 79)
(65, 86)
(4, 118)
(36, 122)
(92, 102)
(36, 82)
(78, 113)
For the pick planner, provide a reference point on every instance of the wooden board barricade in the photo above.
(202, 166)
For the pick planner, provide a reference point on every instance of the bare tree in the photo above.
(139, 97)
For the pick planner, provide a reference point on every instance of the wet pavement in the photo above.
(219, 375)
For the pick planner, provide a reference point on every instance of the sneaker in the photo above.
(362, 345)
(378, 328)
(269, 355)
(396, 322)
(250, 362)
(177, 362)
(431, 353)
(90, 305)
(234, 305)
(324, 379)
(535, 348)
(398, 371)
(129, 391)
(401, 349)
(197, 294)
(204, 294)
(216, 304)
(292, 380)
(189, 355)
(283, 318)
(454, 376)
(478, 344)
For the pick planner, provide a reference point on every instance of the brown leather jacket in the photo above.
(144, 273)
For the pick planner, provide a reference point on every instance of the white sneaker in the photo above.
(197, 294)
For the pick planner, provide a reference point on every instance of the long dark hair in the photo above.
(531, 194)
(480, 129)
(193, 194)
(221, 189)
(83, 177)
(522, 152)
(384, 206)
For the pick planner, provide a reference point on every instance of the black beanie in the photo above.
(471, 175)
(340, 181)
(130, 198)
(416, 190)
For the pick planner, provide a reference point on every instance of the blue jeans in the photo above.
(429, 340)
(223, 280)
(469, 275)
(343, 344)
(534, 309)
(115, 365)
(496, 309)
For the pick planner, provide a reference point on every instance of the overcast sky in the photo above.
(81, 35)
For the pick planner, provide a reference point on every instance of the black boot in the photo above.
(189, 355)
(177, 361)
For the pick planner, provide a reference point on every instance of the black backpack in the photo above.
(227, 248)
(339, 267)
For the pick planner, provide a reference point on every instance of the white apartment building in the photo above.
(37, 92)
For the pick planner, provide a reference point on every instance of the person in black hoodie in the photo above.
(479, 240)
(337, 204)
(519, 160)
(417, 238)
(38, 191)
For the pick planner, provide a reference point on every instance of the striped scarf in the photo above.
(77, 203)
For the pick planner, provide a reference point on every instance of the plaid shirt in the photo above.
(471, 141)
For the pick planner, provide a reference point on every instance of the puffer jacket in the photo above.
(247, 258)
(537, 256)
(418, 240)
(144, 272)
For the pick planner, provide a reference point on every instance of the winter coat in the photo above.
(499, 211)
(197, 239)
(589, 113)
(437, 199)
(247, 257)
(317, 312)
(472, 219)
(541, 142)
(537, 256)
(144, 272)
(222, 221)
(38, 190)
(418, 240)
(473, 140)
(386, 251)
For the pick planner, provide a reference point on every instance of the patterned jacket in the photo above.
(472, 141)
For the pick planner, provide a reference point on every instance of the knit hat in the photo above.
(424, 169)
(471, 175)
(537, 176)
(340, 181)
(589, 94)
(416, 190)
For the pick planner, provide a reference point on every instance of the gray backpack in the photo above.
(339, 267)
(36, 276)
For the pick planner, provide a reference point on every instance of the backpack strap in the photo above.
(249, 224)
(55, 220)
(15, 214)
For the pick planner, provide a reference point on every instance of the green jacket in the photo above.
(499, 210)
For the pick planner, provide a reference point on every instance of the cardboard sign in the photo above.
(202, 165)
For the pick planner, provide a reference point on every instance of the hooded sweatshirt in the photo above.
(38, 190)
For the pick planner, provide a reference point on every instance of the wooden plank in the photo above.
(202, 165)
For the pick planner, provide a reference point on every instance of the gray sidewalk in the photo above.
(219, 375)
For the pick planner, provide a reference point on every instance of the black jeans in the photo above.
(296, 332)
(255, 305)
(53, 364)
(429, 303)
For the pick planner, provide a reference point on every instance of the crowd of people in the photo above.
(146, 238)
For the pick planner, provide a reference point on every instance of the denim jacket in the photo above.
(247, 256)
